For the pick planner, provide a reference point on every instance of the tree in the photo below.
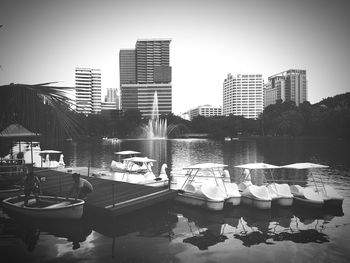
(40, 108)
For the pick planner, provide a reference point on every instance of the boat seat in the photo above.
(58, 205)
(21, 203)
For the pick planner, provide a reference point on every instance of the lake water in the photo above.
(171, 232)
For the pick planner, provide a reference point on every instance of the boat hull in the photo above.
(9, 192)
(260, 204)
(72, 211)
(299, 200)
(283, 201)
(233, 200)
(191, 199)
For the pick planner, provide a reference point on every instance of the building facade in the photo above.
(144, 71)
(290, 85)
(88, 90)
(206, 111)
(243, 95)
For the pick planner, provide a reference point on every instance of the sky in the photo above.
(45, 40)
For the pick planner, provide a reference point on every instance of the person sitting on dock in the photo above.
(31, 185)
(81, 187)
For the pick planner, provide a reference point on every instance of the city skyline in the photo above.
(42, 41)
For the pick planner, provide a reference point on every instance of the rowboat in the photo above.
(203, 185)
(317, 195)
(279, 194)
(10, 190)
(46, 207)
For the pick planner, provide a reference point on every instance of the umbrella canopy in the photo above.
(17, 131)
(304, 166)
(49, 151)
(206, 166)
(127, 152)
(140, 159)
(255, 166)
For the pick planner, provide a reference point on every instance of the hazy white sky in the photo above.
(43, 40)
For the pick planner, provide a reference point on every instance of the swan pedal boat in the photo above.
(261, 197)
(319, 195)
(142, 174)
(121, 165)
(46, 207)
(206, 185)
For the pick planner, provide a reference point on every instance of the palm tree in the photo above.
(40, 108)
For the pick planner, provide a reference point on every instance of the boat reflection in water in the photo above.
(251, 226)
(29, 230)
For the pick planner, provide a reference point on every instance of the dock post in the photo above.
(113, 194)
(88, 173)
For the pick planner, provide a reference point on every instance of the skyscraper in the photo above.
(290, 85)
(88, 90)
(144, 71)
(243, 95)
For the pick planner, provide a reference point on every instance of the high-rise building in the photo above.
(144, 71)
(290, 85)
(206, 111)
(88, 90)
(243, 95)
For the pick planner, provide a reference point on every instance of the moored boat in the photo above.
(46, 207)
(312, 195)
(139, 171)
(257, 196)
(306, 196)
(280, 194)
(50, 159)
(121, 165)
(206, 185)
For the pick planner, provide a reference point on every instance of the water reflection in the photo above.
(29, 230)
(251, 226)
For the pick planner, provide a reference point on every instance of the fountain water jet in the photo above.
(156, 128)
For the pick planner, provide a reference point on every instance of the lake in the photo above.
(171, 232)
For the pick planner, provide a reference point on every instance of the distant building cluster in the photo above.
(206, 111)
(145, 71)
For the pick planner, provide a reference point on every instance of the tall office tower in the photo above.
(111, 95)
(243, 95)
(290, 85)
(144, 71)
(88, 90)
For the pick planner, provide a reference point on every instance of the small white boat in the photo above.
(50, 159)
(306, 196)
(279, 193)
(46, 207)
(139, 171)
(121, 165)
(311, 195)
(256, 196)
(207, 186)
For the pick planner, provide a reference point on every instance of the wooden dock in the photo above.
(109, 197)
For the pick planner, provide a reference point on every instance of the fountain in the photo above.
(156, 128)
